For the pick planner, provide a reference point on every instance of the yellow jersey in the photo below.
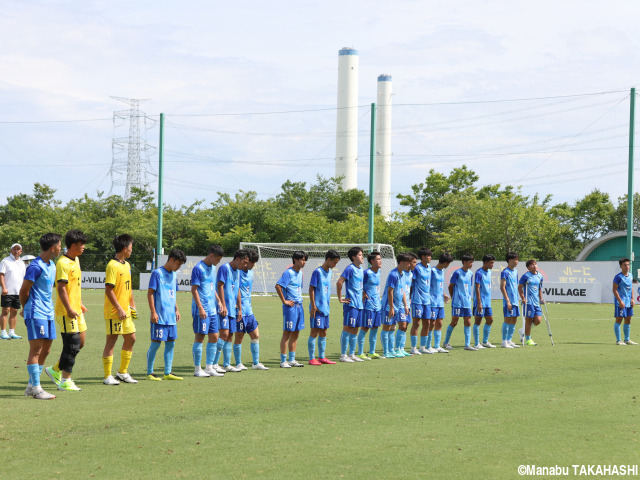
(68, 271)
(119, 276)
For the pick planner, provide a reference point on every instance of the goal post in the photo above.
(275, 258)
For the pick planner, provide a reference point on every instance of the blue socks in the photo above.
(168, 356)
(414, 341)
(427, 343)
(34, 374)
(390, 340)
(344, 342)
(476, 334)
(373, 340)
(505, 332)
(322, 346)
(467, 336)
(220, 346)
(626, 328)
(212, 350)
(226, 354)
(311, 346)
(361, 338)
(255, 351)
(197, 354)
(447, 337)
(151, 356)
(512, 329)
(398, 339)
(292, 356)
(283, 357)
(616, 330)
(353, 340)
(237, 352)
(437, 335)
(384, 336)
(486, 330)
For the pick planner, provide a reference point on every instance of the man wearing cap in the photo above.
(12, 270)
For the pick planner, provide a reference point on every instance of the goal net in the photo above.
(275, 258)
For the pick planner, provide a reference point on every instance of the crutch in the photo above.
(545, 313)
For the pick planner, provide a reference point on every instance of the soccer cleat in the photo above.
(442, 350)
(154, 377)
(39, 394)
(285, 364)
(13, 336)
(390, 354)
(5, 336)
(506, 344)
(630, 342)
(620, 342)
(28, 392)
(530, 343)
(68, 385)
(241, 367)
(374, 356)
(521, 332)
(213, 373)
(314, 361)
(110, 381)
(230, 368)
(513, 345)
(355, 359)
(218, 369)
(432, 350)
(171, 376)
(470, 348)
(53, 375)
(415, 351)
(125, 377)
(488, 345)
(326, 361)
(258, 366)
(479, 346)
(345, 359)
(448, 346)
(399, 353)
(200, 373)
(364, 357)
(295, 363)
(422, 350)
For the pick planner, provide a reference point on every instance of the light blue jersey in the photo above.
(164, 285)
(372, 289)
(246, 285)
(483, 278)
(321, 282)
(437, 287)
(625, 288)
(40, 303)
(407, 280)
(421, 293)
(204, 277)
(291, 283)
(462, 289)
(353, 276)
(510, 285)
(394, 280)
(532, 285)
(230, 277)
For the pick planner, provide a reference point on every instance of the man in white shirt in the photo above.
(12, 270)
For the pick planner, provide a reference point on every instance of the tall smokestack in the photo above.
(347, 121)
(382, 187)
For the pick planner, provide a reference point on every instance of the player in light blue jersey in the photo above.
(530, 290)
(161, 295)
(204, 311)
(510, 301)
(482, 302)
(438, 300)
(289, 289)
(623, 293)
(372, 306)
(38, 311)
(228, 285)
(461, 291)
(407, 281)
(248, 323)
(421, 302)
(319, 307)
(394, 304)
(352, 304)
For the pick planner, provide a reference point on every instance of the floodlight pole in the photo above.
(160, 181)
(630, 193)
(372, 172)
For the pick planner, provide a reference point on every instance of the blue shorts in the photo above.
(514, 312)
(228, 323)
(620, 312)
(531, 311)
(352, 317)
(247, 325)
(205, 325)
(163, 333)
(400, 316)
(371, 319)
(485, 312)
(320, 321)
(293, 318)
(460, 312)
(44, 329)
(437, 313)
(422, 312)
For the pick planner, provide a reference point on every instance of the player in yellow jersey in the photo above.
(119, 311)
(69, 310)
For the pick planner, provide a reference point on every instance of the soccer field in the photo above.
(457, 415)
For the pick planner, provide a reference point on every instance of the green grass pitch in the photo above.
(462, 415)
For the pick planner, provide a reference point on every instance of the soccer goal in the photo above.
(275, 258)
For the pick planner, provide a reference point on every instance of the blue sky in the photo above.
(198, 61)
